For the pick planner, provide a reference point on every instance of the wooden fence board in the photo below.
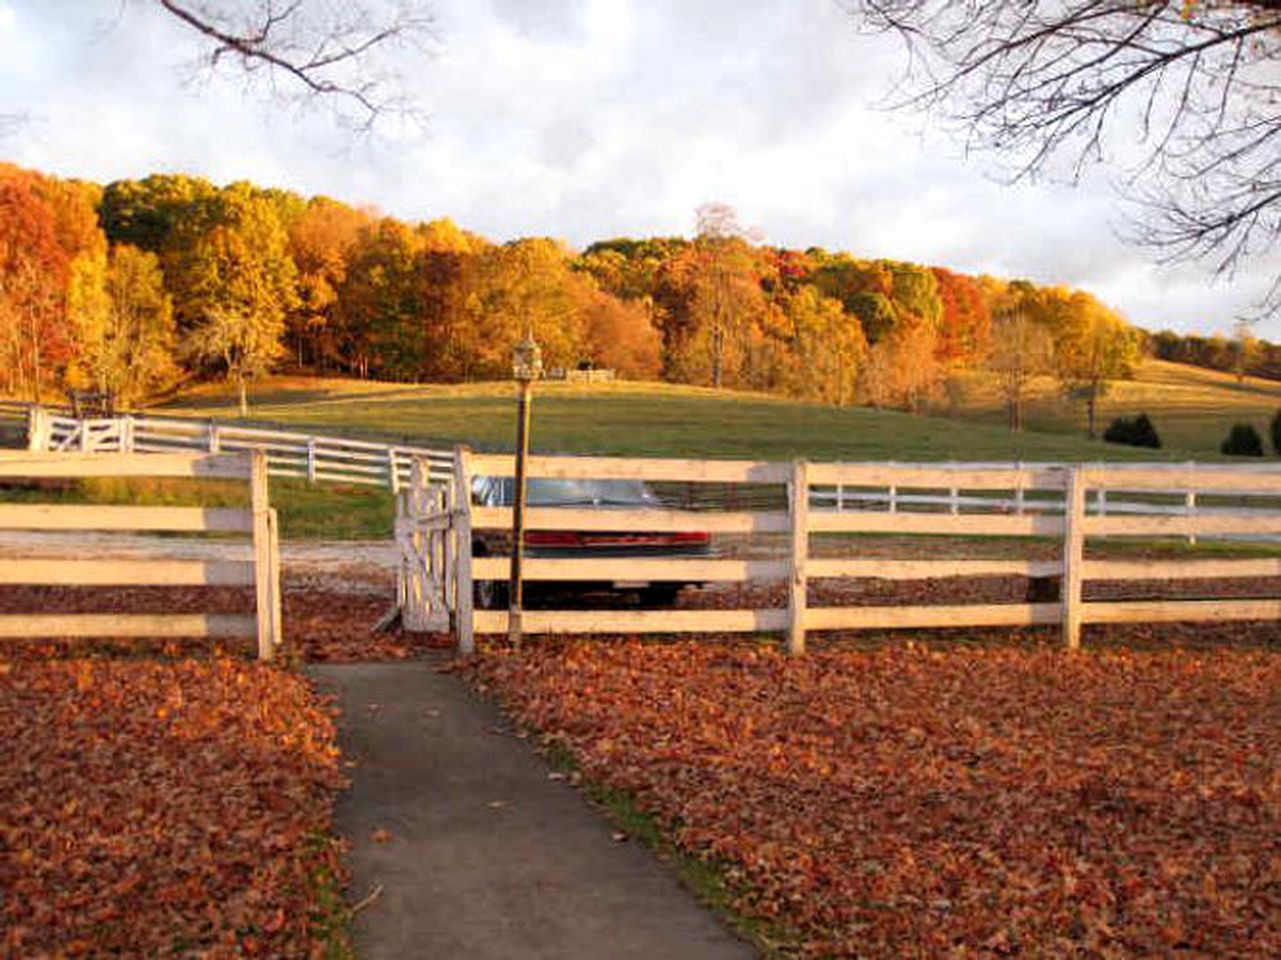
(637, 468)
(651, 521)
(1200, 525)
(75, 516)
(965, 615)
(886, 569)
(1203, 478)
(935, 524)
(635, 621)
(1181, 569)
(21, 463)
(598, 569)
(127, 573)
(938, 476)
(159, 625)
(1172, 611)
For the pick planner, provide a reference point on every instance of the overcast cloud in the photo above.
(587, 119)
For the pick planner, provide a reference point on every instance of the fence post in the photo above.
(393, 472)
(799, 509)
(311, 461)
(273, 577)
(266, 601)
(1189, 505)
(213, 437)
(1073, 555)
(462, 551)
(84, 435)
(36, 429)
(1018, 491)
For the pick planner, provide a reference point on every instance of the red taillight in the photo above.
(553, 538)
(691, 537)
(573, 538)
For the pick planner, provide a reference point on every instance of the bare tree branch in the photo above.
(1184, 98)
(338, 51)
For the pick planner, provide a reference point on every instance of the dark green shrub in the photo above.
(1137, 432)
(1242, 441)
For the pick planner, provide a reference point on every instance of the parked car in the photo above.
(596, 494)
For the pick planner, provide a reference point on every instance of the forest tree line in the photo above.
(137, 286)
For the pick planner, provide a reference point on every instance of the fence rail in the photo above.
(1072, 505)
(302, 456)
(258, 520)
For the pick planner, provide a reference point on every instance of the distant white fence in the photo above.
(261, 571)
(302, 456)
(436, 534)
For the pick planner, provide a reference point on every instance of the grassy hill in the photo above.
(645, 419)
(1193, 409)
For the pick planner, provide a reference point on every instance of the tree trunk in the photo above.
(1014, 405)
(1091, 408)
(242, 388)
(718, 347)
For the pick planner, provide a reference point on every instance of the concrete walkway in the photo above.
(488, 857)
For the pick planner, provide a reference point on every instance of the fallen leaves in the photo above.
(960, 802)
(162, 809)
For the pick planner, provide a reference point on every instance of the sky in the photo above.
(590, 119)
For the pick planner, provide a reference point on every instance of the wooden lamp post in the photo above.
(527, 366)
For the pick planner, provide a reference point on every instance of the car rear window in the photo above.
(591, 493)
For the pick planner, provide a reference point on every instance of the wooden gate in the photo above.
(427, 537)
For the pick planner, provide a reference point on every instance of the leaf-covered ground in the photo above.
(154, 809)
(959, 802)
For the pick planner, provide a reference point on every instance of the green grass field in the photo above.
(642, 419)
(1193, 409)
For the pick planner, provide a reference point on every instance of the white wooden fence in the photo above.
(257, 520)
(302, 456)
(440, 571)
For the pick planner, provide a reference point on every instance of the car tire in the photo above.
(663, 595)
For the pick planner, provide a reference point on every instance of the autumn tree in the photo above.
(321, 243)
(238, 343)
(1093, 346)
(727, 294)
(1246, 347)
(123, 321)
(1022, 349)
(140, 346)
(827, 348)
(903, 369)
(239, 284)
(377, 328)
(618, 335)
(45, 226)
(526, 285)
(965, 323)
(1185, 96)
(863, 287)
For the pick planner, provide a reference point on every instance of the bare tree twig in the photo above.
(338, 51)
(1183, 97)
